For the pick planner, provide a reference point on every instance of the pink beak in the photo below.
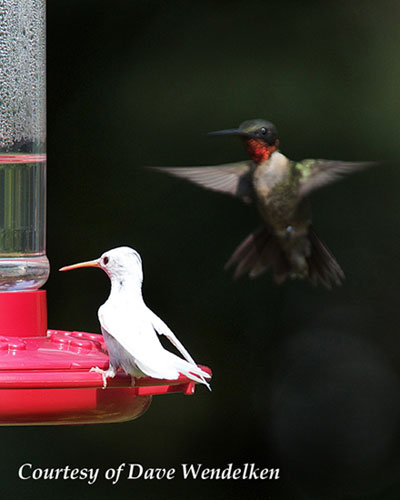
(89, 263)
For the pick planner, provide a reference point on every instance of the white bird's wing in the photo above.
(163, 329)
(136, 334)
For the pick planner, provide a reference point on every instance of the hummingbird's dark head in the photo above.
(259, 130)
(259, 136)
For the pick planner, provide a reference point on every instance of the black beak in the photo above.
(230, 131)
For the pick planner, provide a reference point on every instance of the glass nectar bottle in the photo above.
(23, 261)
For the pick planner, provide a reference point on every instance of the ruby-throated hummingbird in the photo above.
(286, 242)
(130, 328)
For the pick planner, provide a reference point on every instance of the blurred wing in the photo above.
(231, 178)
(318, 173)
(163, 329)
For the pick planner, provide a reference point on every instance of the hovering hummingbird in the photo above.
(286, 242)
(130, 328)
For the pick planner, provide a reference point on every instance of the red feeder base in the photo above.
(36, 371)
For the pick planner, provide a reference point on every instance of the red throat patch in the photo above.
(259, 150)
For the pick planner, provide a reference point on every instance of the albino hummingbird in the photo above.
(130, 328)
(286, 242)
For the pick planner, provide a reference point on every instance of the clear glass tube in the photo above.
(23, 261)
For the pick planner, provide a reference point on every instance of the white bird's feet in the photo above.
(110, 373)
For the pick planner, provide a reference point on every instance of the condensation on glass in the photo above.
(23, 261)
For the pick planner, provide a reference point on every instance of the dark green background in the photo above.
(304, 379)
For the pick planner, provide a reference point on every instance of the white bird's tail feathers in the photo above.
(192, 371)
(170, 368)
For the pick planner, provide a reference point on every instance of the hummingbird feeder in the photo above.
(45, 374)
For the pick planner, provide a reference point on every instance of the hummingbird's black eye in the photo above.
(105, 261)
(263, 130)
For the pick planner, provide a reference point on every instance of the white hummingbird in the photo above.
(130, 328)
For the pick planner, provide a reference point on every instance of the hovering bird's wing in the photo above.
(314, 174)
(230, 178)
(163, 329)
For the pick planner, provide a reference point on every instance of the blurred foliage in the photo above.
(304, 379)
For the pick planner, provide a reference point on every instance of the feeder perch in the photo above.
(45, 374)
